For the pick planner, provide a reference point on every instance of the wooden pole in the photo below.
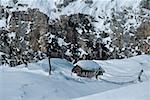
(49, 57)
(50, 68)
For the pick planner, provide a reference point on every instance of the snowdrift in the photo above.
(34, 83)
(132, 92)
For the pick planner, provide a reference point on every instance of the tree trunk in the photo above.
(50, 68)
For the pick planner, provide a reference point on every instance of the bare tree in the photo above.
(49, 57)
(50, 67)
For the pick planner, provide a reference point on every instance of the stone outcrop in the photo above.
(28, 34)
(143, 35)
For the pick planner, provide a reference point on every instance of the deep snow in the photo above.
(34, 83)
(139, 91)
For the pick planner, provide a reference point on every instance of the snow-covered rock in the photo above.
(97, 29)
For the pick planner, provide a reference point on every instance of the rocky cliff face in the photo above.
(26, 33)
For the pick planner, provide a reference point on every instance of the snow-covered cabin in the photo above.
(88, 68)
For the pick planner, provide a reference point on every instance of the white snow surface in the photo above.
(97, 8)
(2, 22)
(118, 83)
(46, 7)
(132, 92)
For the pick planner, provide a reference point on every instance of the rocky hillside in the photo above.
(73, 29)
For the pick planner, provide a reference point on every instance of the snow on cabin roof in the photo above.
(88, 64)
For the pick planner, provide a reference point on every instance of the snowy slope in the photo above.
(101, 10)
(33, 83)
(133, 92)
(97, 8)
(46, 7)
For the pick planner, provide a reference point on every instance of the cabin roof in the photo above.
(88, 64)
